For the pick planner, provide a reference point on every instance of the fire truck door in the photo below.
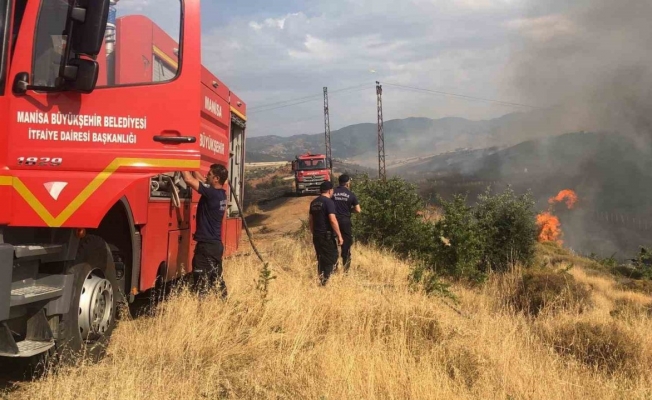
(236, 173)
(141, 121)
(236, 162)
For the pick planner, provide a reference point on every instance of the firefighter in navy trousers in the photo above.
(345, 204)
(207, 260)
(325, 231)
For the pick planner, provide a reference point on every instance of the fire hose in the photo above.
(244, 224)
(174, 192)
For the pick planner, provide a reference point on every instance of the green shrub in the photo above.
(609, 262)
(495, 235)
(467, 243)
(390, 217)
(458, 245)
(640, 268)
(508, 227)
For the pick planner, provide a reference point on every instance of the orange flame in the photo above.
(569, 195)
(549, 228)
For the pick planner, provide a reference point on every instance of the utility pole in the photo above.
(381, 134)
(327, 131)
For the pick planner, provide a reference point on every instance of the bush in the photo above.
(607, 348)
(551, 291)
(635, 285)
(458, 243)
(468, 242)
(627, 309)
(509, 232)
(390, 218)
(495, 235)
(462, 364)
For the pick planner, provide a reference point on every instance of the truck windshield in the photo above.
(4, 25)
(311, 164)
(51, 38)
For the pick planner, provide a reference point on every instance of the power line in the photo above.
(282, 102)
(307, 97)
(303, 100)
(293, 122)
(505, 103)
(315, 98)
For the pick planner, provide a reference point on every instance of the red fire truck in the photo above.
(100, 116)
(310, 171)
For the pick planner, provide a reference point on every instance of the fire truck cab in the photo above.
(310, 170)
(102, 105)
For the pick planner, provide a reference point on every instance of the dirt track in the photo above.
(275, 218)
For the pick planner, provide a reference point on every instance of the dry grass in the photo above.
(364, 336)
(550, 291)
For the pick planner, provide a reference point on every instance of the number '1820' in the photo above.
(40, 161)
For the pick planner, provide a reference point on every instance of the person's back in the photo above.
(210, 213)
(344, 200)
(320, 208)
(207, 260)
(345, 203)
(325, 231)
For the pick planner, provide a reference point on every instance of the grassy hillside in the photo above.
(368, 335)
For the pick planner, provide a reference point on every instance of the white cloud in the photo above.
(459, 46)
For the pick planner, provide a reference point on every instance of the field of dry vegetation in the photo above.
(369, 335)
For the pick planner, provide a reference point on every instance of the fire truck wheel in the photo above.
(86, 328)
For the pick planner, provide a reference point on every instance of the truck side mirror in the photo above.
(83, 74)
(89, 19)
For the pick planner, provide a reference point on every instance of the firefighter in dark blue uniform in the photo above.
(345, 203)
(207, 260)
(325, 231)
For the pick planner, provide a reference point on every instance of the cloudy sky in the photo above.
(271, 52)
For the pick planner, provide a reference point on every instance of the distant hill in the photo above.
(410, 137)
(611, 174)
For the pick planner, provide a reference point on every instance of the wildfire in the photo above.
(548, 223)
(549, 228)
(569, 195)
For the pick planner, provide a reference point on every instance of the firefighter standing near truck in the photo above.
(325, 231)
(345, 203)
(207, 260)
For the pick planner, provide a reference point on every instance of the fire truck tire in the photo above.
(87, 327)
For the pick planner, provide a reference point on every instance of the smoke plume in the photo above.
(590, 60)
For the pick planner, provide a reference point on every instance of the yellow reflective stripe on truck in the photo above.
(239, 114)
(160, 54)
(88, 191)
